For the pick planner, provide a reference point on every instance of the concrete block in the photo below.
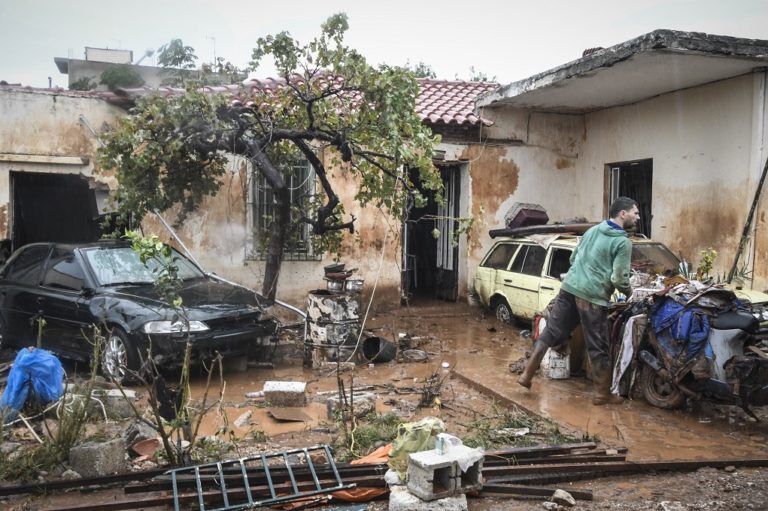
(432, 476)
(98, 458)
(402, 500)
(363, 403)
(285, 393)
(470, 471)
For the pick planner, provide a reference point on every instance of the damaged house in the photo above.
(676, 120)
(50, 147)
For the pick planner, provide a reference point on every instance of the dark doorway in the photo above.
(633, 179)
(430, 256)
(52, 207)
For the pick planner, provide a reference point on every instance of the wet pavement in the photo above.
(478, 350)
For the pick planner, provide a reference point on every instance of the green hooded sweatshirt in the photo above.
(599, 264)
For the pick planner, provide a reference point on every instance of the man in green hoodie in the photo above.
(599, 265)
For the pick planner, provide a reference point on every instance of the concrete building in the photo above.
(676, 120)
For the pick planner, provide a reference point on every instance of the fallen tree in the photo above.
(330, 107)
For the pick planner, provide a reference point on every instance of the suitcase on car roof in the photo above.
(525, 215)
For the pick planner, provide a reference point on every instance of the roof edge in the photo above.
(658, 40)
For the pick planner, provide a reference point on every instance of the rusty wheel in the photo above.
(659, 392)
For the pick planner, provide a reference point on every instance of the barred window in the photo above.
(301, 185)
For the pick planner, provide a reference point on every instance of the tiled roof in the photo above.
(440, 102)
(444, 102)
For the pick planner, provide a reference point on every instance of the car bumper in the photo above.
(168, 351)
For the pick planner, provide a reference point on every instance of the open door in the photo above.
(52, 207)
(430, 256)
(633, 179)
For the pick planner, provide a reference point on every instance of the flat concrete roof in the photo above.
(659, 62)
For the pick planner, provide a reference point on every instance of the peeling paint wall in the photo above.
(706, 164)
(707, 149)
(41, 131)
(218, 237)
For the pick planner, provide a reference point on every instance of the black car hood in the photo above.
(202, 299)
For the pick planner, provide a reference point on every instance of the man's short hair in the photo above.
(621, 204)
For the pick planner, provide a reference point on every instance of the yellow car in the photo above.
(520, 275)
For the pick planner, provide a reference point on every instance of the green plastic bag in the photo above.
(413, 437)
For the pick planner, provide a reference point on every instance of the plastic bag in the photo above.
(413, 437)
(36, 371)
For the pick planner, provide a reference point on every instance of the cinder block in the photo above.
(285, 393)
(98, 459)
(431, 475)
(400, 499)
(471, 478)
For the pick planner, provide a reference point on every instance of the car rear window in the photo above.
(560, 262)
(64, 271)
(500, 256)
(26, 266)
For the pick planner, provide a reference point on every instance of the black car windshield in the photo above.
(121, 265)
(654, 258)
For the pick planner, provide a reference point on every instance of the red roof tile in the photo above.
(439, 101)
(451, 102)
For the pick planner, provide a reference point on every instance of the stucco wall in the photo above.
(46, 127)
(706, 163)
(531, 159)
(707, 149)
(217, 235)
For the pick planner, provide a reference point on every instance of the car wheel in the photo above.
(503, 311)
(119, 358)
(659, 392)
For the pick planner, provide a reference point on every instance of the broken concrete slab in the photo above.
(285, 393)
(93, 459)
(400, 499)
(137, 432)
(244, 420)
(288, 414)
(362, 402)
(563, 498)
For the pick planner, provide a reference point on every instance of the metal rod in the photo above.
(533, 491)
(268, 476)
(178, 240)
(311, 466)
(246, 483)
(223, 484)
(201, 503)
(748, 222)
(290, 473)
(330, 459)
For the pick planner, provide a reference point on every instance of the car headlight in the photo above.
(174, 327)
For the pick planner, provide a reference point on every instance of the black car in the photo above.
(73, 287)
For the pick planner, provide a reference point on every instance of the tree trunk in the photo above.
(277, 235)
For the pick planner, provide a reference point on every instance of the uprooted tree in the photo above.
(330, 107)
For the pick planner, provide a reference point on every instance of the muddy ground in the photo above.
(476, 383)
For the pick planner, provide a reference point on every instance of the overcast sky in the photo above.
(508, 39)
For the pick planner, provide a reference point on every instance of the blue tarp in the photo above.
(36, 374)
(680, 328)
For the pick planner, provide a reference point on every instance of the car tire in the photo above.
(659, 392)
(503, 312)
(119, 357)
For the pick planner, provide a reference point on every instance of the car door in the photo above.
(557, 265)
(523, 278)
(487, 279)
(19, 305)
(64, 305)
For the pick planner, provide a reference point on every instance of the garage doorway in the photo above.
(52, 207)
(633, 179)
(430, 263)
